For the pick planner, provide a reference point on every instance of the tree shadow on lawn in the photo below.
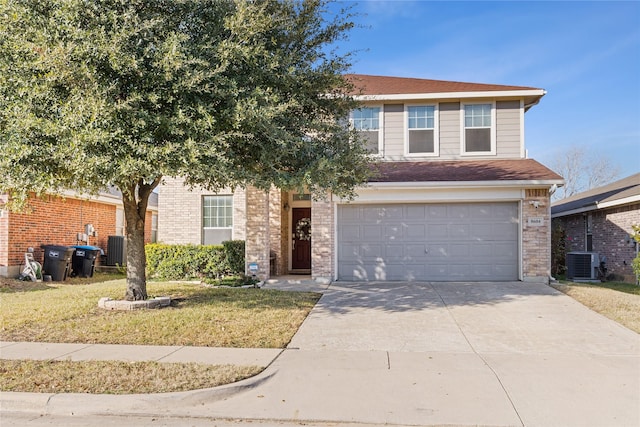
(343, 297)
(243, 298)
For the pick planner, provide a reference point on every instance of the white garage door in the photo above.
(430, 242)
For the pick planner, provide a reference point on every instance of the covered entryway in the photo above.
(430, 242)
(301, 239)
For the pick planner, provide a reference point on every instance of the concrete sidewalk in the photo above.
(137, 353)
(421, 354)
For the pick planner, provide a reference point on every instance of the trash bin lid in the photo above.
(88, 248)
(56, 247)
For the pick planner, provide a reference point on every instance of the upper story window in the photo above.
(368, 121)
(217, 219)
(478, 132)
(422, 135)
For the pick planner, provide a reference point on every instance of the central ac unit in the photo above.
(582, 265)
(116, 250)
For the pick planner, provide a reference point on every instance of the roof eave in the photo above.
(597, 205)
(538, 183)
(536, 94)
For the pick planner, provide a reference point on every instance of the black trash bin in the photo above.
(57, 261)
(84, 260)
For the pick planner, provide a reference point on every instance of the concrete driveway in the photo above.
(497, 354)
(457, 354)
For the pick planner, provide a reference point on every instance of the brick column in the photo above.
(536, 236)
(276, 228)
(239, 214)
(257, 231)
(322, 239)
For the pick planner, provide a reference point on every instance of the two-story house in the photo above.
(455, 197)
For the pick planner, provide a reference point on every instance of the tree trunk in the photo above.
(135, 200)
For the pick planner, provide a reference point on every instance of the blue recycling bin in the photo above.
(57, 260)
(84, 260)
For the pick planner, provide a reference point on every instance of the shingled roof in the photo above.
(383, 85)
(464, 170)
(626, 190)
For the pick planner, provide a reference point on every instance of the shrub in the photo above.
(558, 250)
(179, 262)
(234, 250)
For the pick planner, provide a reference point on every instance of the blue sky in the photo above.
(586, 55)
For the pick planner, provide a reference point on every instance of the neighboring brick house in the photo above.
(55, 220)
(455, 198)
(600, 220)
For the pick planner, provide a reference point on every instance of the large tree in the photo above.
(125, 92)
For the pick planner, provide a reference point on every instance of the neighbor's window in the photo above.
(120, 223)
(367, 120)
(478, 129)
(217, 219)
(421, 122)
(154, 228)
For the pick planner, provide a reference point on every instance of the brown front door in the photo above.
(301, 239)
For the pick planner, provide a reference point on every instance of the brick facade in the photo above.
(258, 240)
(53, 220)
(536, 235)
(611, 229)
(278, 231)
(181, 207)
(322, 249)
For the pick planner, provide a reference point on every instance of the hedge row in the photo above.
(179, 262)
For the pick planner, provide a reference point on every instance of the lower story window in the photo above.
(217, 219)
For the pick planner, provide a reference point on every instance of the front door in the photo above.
(301, 239)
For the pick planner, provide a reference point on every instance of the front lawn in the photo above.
(199, 315)
(615, 300)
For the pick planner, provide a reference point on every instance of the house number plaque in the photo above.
(535, 221)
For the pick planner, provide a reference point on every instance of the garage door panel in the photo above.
(372, 232)
(349, 233)
(415, 212)
(438, 242)
(350, 252)
(372, 251)
(437, 211)
(415, 231)
(459, 211)
(504, 231)
(459, 231)
(437, 231)
(395, 253)
(393, 232)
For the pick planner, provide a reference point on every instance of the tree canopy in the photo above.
(125, 92)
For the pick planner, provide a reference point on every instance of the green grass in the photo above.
(199, 315)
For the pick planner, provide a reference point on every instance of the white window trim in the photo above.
(380, 152)
(217, 228)
(436, 131)
(492, 131)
